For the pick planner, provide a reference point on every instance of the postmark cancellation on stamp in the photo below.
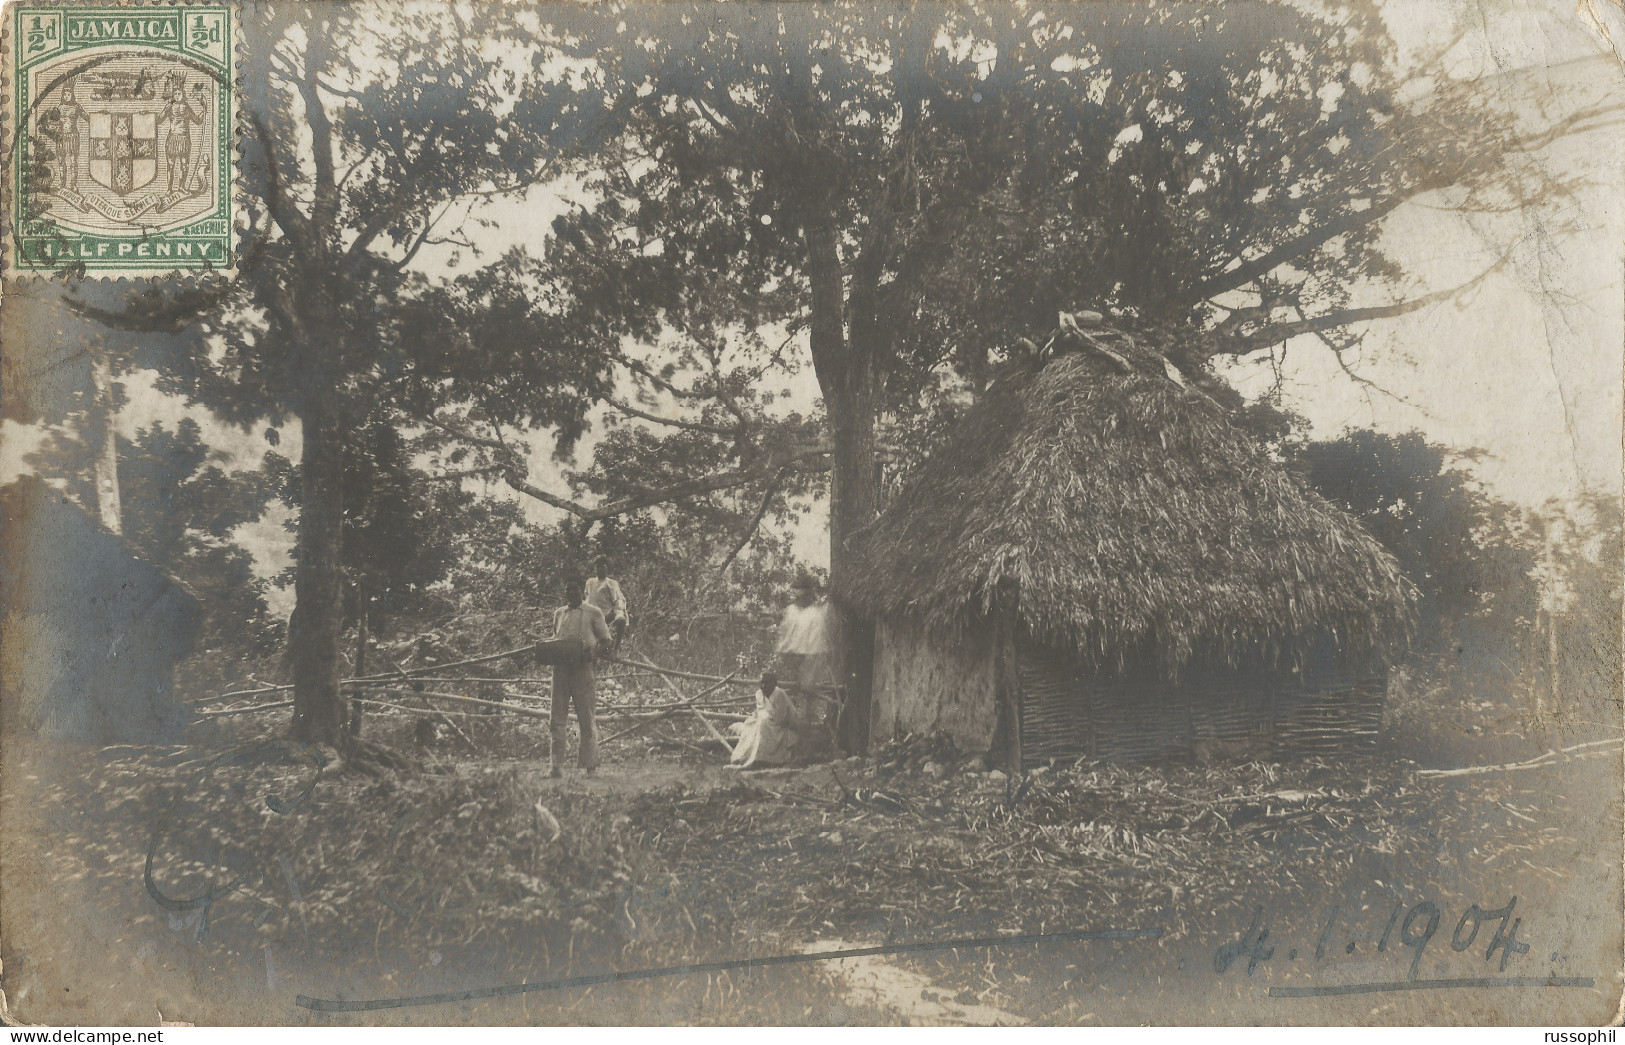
(120, 141)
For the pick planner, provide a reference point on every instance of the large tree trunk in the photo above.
(848, 376)
(852, 506)
(314, 630)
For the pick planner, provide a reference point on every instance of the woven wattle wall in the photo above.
(1067, 714)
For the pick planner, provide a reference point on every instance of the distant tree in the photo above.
(1593, 562)
(1582, 576)
(402, 530)
(1472, 556)
(59, 371)
(181, 511)
(701, 556)
(717, 526)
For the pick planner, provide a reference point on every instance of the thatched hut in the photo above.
(1100, 564)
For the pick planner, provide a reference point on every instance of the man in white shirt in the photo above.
(803, 648)
(574, 683)
(604, 592)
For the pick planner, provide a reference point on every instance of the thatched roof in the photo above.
(1126, 518)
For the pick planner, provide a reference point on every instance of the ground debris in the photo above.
(654, 863)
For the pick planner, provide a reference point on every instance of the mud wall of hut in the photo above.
(924, 686)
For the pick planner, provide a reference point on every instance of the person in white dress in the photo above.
(768, 737)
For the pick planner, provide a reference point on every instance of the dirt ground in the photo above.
(1214, 886)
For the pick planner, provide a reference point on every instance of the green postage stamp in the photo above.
(120, 143)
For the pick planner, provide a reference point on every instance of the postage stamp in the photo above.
(120, 139)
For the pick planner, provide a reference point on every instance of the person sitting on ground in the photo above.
(573, 683)
(769, 735)
(604, 592)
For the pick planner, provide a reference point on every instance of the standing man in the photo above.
(805, 666)
(604, 592)
(803, 647)
(573, 683)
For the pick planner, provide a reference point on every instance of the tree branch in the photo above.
(325, 203)
(338, 91)
(398, 200)
(467, 473)
(1267, 262)
(1345, 317)
(756, 519)
(153, 313)
(672, 422)
(1365, 382)
(659, 382)
(357, 165)
(713, 352)
(774, 465)
(463, 434)
(429, 222)
(278, 203)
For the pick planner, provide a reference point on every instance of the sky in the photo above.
(1526, 367)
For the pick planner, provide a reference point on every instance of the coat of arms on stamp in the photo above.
(120, 141)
